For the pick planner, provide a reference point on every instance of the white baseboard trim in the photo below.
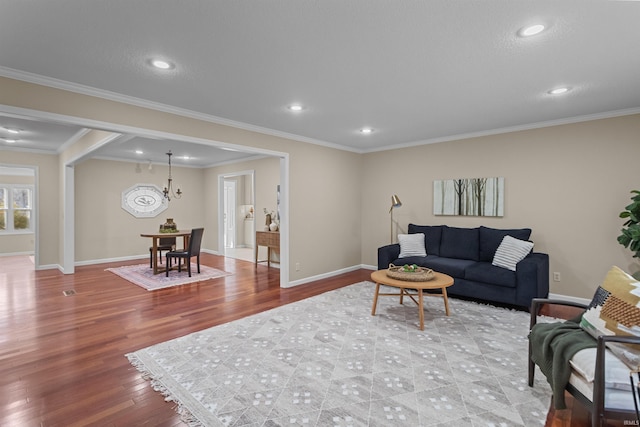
(107, 260)
(18, 253)
(49, 267)
(329, 274)
(209, 251)
(127, 258)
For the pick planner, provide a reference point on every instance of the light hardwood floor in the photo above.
(62, 357)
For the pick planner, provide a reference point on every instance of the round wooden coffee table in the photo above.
(440, 281)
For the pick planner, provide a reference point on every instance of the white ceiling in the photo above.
(415, 71)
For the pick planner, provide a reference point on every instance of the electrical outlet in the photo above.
(297, 266)
(556, 276)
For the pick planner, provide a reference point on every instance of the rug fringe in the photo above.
(156, 384)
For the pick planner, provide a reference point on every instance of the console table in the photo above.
(270, 239)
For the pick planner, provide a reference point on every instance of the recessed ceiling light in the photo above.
(558, 91)
(10, 141)
(366, 131)
(11, 130)
(295, 107)
(531, 30)
(139, 152)
(162, 64)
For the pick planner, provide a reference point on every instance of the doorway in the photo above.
(238, 215)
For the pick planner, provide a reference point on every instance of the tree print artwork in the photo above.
(469, 197)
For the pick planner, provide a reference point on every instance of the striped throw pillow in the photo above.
(510, 252)
(411, 245)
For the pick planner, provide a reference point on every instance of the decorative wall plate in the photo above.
(144, 200)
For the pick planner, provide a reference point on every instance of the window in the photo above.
(16, 207)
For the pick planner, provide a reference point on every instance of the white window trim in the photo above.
(9, 225)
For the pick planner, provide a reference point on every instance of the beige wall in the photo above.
(103, 230)
(48, 201)
(568, 183)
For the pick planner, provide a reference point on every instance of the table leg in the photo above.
(375, 300)
(255, 251)
(446, 300)
(421, 308)
(402, 291)
(154, 254)
(268, 256)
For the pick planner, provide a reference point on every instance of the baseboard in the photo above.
(18, 254)
(127, 258)
(329, 274)
(107, 260)
(49, 267)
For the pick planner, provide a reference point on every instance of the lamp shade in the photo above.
(395, 202)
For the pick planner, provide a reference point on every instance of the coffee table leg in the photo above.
(401, 295)
(375, 300)
(446, 300)
(421, 308)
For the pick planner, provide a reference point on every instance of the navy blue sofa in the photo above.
(466, 255)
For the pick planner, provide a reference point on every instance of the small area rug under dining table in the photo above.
(142, 275)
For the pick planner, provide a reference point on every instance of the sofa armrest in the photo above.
(538, 303)
(532, 276)
(599, 384)
(534, 311)
(387, 254)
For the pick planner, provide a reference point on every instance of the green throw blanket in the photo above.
(553, 345)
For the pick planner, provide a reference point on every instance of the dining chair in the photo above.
(164, 244)
(195, 241)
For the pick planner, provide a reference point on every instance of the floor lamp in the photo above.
(395, 203)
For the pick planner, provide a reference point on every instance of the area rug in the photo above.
(143, 276)
(325, 361)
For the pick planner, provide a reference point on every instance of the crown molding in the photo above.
(510, 129)
(116, 97)
(138, 102)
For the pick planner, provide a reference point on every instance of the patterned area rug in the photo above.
(325, 361)
(143, 276)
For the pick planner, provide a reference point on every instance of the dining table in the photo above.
(155, 237)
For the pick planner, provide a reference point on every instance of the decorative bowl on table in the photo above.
(169, 226)
(410, 272)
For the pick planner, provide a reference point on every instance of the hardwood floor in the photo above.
(62, 357)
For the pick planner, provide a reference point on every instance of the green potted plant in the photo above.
(630, 237)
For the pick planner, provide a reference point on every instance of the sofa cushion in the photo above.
(432, 235)
(615, 310)
(510, 252)
(451, 266)
(616, 373)
(422, 261)
(485, 272)
(460, 243)
(411, 245)
(490, 239)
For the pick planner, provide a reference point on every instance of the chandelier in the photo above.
(168, 190)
